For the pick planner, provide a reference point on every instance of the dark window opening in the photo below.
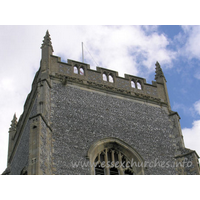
(128, 172)
(114, 171)
(99, 170)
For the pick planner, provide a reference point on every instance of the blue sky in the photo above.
(183, 78)
(126, 49)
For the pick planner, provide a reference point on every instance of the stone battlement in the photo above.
(105, 79)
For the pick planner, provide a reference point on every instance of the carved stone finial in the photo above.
(159, 72)
(13, 126)
(157, 64)
(47, 41)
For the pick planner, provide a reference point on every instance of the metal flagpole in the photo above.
(82, 53)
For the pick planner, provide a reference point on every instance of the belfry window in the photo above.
(111, 156)
(112, 162)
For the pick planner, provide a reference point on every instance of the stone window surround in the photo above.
(78, 67)
(118, 145)
(108, 75)
(136, 82)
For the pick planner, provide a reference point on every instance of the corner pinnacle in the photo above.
(13, 126)
(159, 72)
(47, 41)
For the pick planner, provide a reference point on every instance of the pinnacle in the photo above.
(13, 125)
(159, 72)
(47, 41)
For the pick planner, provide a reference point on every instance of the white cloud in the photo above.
(122, 47)
(192, 136)
(197, 106)
(192, 36)
(126, 49)
(187, 47)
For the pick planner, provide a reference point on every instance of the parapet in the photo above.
(105, 79)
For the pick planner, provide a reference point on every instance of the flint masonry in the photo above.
(82, 121)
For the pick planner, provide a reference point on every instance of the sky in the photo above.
(127, 49)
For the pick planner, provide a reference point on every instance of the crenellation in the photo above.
(94, 76)
(106, 77)
(122, 83)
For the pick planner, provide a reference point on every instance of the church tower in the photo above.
(82, 121)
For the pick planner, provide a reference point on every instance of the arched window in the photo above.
(139, 86)
(112, 162)
(81, 71)
(110, 79)
(75, 70)
(132, 84)
(105, 77)
(112, 156)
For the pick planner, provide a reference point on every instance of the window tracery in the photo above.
(110, 156)
(112, 162)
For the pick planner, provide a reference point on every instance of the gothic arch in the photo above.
(119, 146)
